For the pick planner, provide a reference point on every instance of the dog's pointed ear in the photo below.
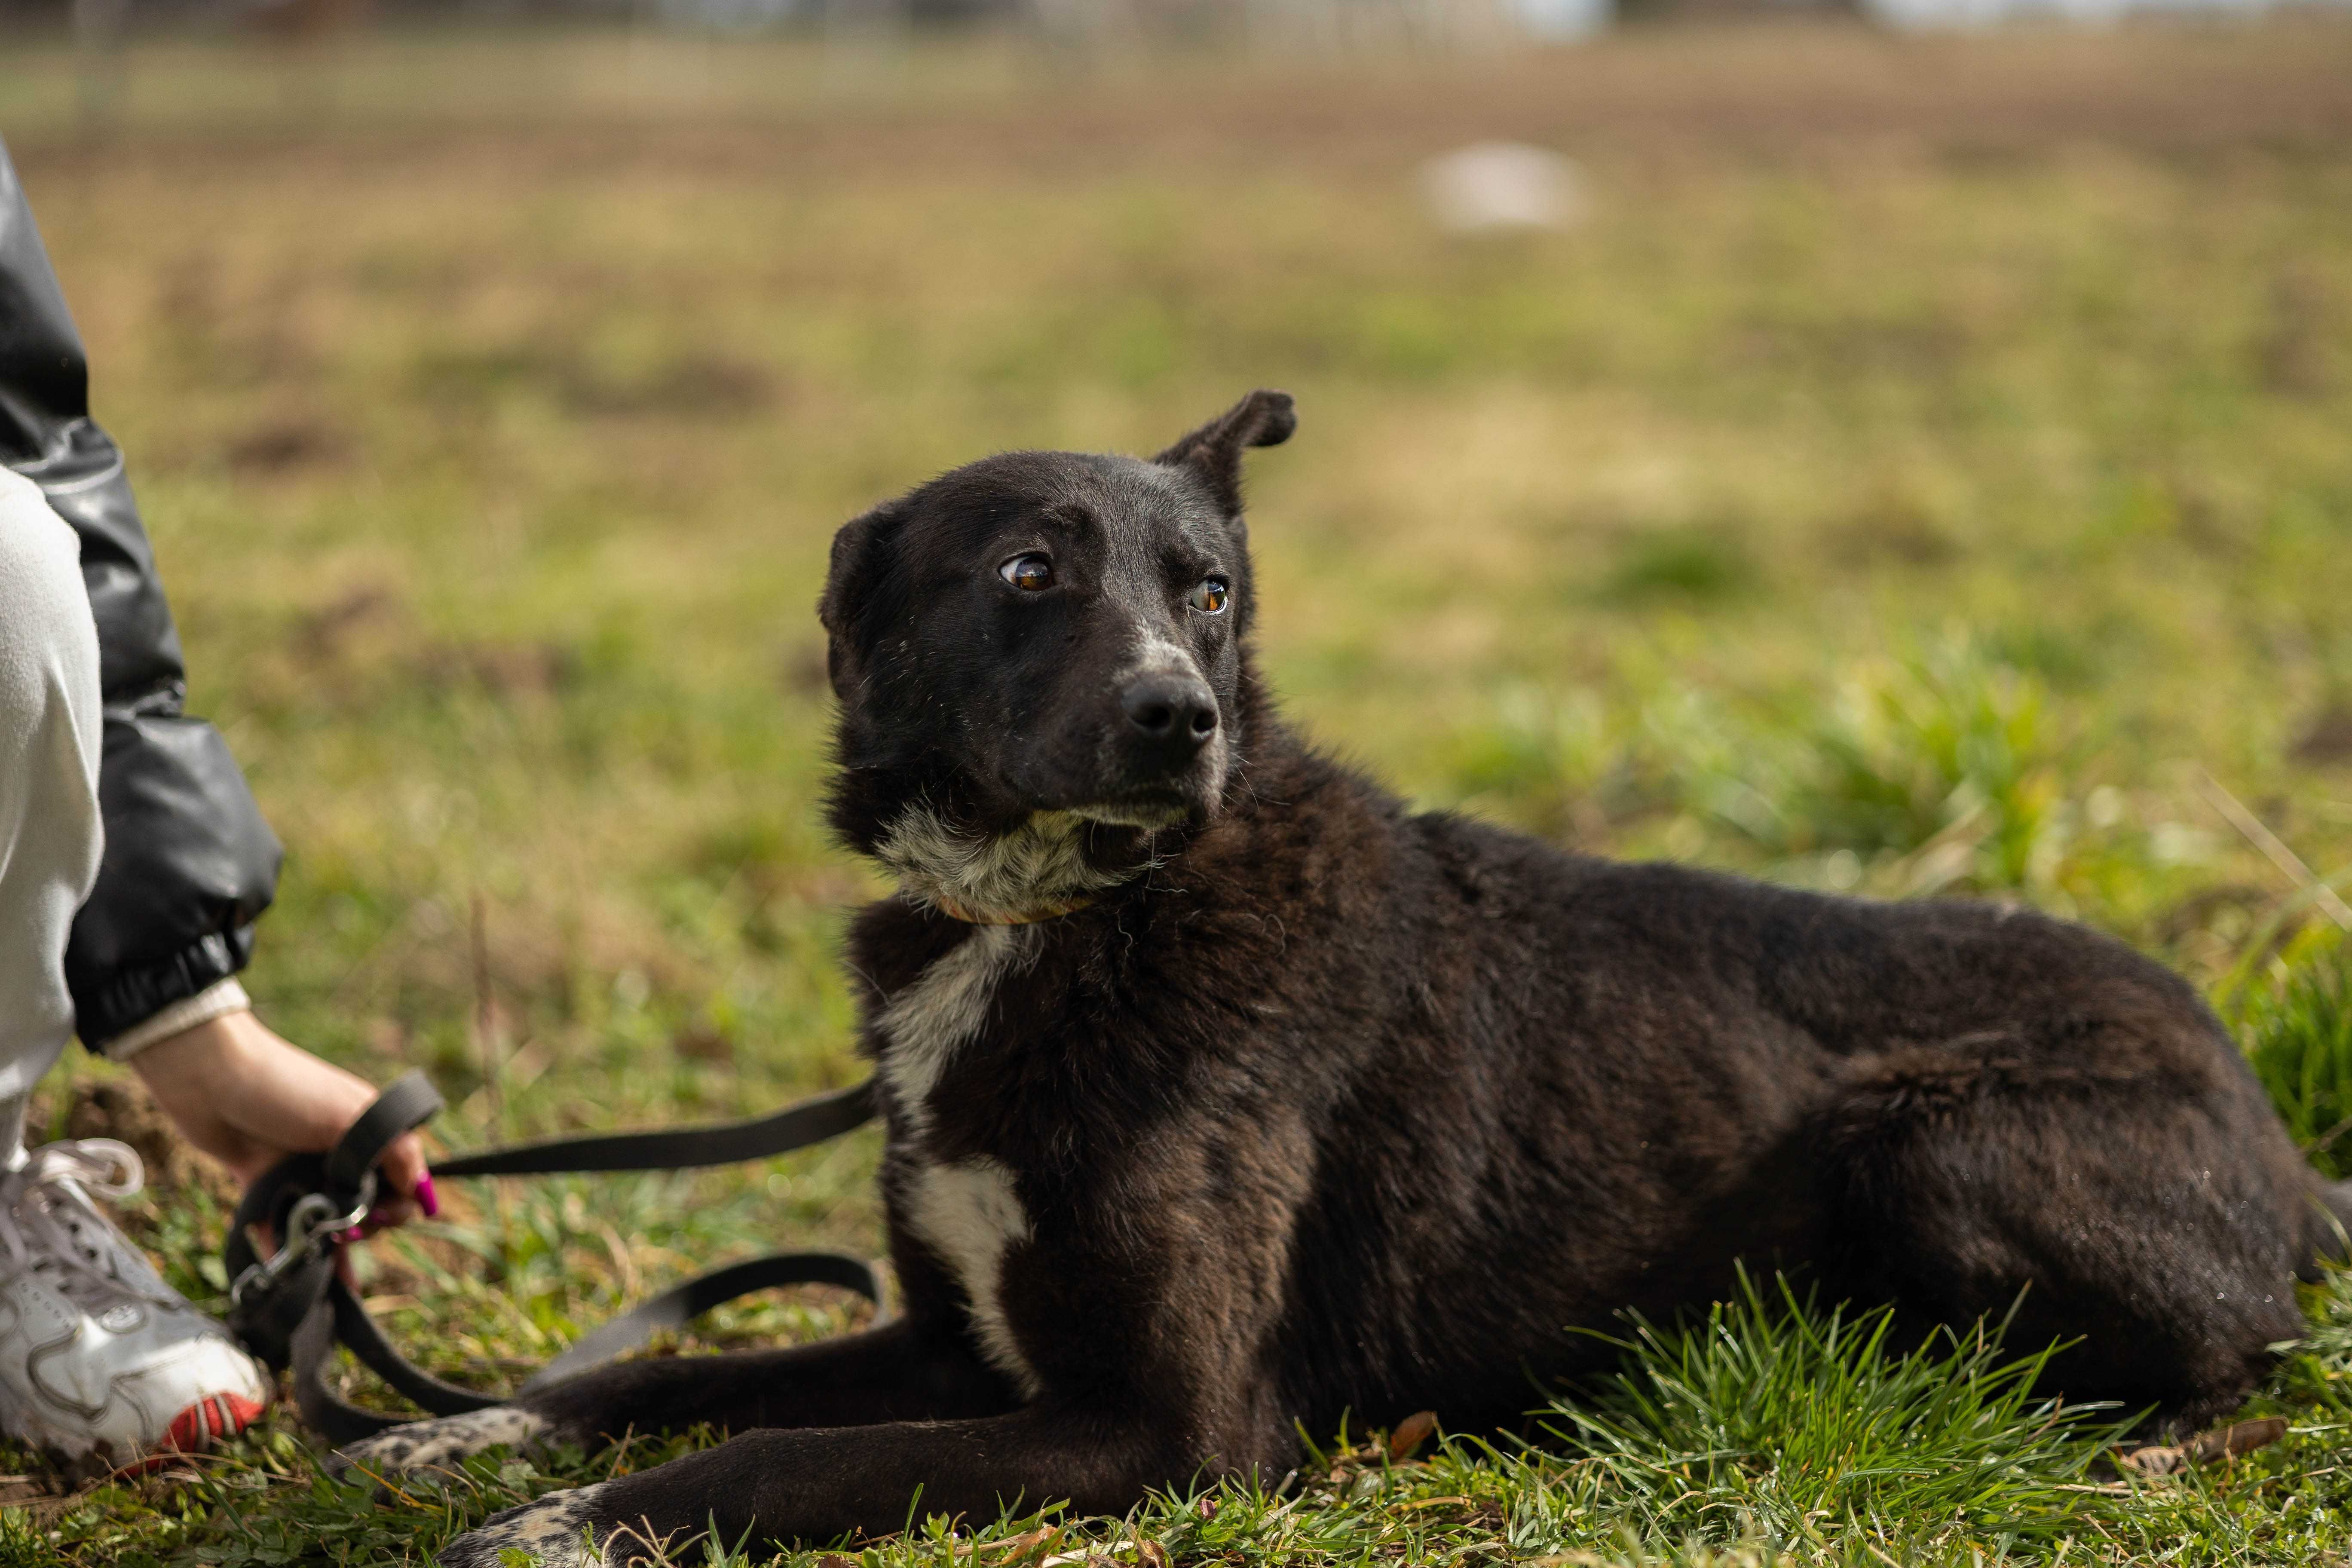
(1263, 418)
(861, 554)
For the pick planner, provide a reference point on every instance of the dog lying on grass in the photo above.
(1225, 1096)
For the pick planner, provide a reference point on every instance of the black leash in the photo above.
(290, 1310)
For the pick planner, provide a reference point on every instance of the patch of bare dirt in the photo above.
(288, 447)
(123, 1110)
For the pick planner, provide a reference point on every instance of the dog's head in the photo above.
(1040, 665)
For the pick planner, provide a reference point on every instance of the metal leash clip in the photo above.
(312, 1217)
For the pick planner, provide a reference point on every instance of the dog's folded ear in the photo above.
(1263, 418)
(861, 549)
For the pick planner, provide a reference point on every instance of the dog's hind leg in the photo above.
(2160, 1228)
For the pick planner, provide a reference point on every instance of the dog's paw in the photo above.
(559, 1530)
(430, 1444)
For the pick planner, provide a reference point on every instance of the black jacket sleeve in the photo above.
(189, 862)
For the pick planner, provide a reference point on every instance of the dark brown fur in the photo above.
(1340, 1109)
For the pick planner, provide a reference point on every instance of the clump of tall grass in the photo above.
(1944, 769)
(1949, 745)
(1539, 755)
(2298, 1037)
(1692, 564)
(1777, 1417)
(2318, 1368)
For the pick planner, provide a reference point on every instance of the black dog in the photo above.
(1225, 1095)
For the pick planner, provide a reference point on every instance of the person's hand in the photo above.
(247, 1098)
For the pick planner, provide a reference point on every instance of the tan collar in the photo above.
(954, 910)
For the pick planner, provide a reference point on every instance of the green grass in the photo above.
(1773, 1431)
(1926, 459)
(1778, 1418)
(2299, 1037)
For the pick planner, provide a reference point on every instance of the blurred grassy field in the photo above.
(1928, 468)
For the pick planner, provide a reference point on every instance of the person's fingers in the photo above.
(404, 1166)
(407, 1190)
(387, 1214)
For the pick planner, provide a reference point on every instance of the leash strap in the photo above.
(291, 1309)
(796, 1126)
(680, 1304)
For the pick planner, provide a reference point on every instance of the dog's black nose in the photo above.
(1177, 711)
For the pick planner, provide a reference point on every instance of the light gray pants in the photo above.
(50, 835)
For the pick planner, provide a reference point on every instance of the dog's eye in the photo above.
(1028, 573)
(1209, 598)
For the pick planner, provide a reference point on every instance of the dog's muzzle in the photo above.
(1172, 717)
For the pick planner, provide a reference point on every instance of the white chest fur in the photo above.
(966, 1213)
(942, 1008)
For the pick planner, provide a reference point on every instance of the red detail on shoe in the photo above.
(198, 1427)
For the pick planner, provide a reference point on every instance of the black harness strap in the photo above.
(290, 1308)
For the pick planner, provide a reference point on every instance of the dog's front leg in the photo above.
(819, 1485)
(905, 1370)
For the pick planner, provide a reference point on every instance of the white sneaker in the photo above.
(102, 1366)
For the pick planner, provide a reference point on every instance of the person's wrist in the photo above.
(202, 1051)
(217, 1000)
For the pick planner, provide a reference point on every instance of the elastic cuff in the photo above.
(117, 1000)
(216, 1001)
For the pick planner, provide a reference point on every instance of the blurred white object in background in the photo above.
(1491, 187)
(1563, 21)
